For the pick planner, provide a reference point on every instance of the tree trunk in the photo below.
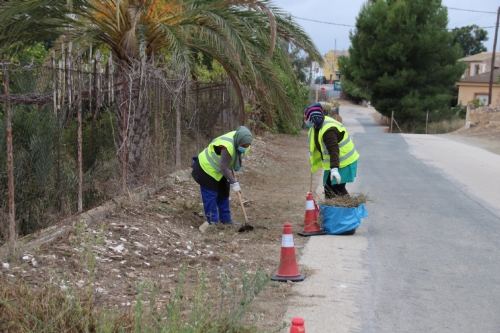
(132, 117)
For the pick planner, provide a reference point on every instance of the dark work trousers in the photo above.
(215, 195)
(336, 190)
(216, 203)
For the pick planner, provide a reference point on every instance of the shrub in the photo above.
(476, 102)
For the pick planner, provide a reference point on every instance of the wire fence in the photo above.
(85, 128)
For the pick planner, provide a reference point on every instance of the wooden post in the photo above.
(98, 94)
(10, 160)
(156, 139)
(54, 77)
(198, 116)
(98, 84)
(63, 77)
(80, 157)
(178, 111)
(399, 128)
(426, 121)
(111, 79)
(221, 108)
(124, 135)
(107, 82)
(69, 75)
(392, 119)
(60, 100)
(90, 87)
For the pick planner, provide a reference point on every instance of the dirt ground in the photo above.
(484, 131)
(149, 241)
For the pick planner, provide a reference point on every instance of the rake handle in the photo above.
(241, 201)
(311, 183)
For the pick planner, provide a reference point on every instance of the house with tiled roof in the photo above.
(479, 63)
(476, 79)
(477, 86)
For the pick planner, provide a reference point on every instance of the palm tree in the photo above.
(249, 38)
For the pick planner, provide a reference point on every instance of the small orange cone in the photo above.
(311, 227)
(297, 325)
(288, 270)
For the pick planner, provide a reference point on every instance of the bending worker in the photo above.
(330, 147)
(212, 171)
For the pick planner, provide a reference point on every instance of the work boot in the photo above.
(232, 223)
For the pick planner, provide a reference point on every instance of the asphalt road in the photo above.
(427, 259)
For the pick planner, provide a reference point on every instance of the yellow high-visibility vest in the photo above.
(210, 161)
(347, 153)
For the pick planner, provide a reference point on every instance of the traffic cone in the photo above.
(288, 270)
(297, 325)
(311, 227)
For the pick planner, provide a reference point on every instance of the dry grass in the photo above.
(25, 308)
(445, 126)
(28, 309)
(348, 201)
(167, 225)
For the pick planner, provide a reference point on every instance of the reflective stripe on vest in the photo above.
(347, 152)
(210, 161)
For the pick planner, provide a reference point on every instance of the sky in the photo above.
(326, 36)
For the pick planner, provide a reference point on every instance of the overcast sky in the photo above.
(345, 12)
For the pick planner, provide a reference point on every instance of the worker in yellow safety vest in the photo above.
(330, 147)
(212, 171)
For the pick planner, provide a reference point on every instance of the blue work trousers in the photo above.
(216, 206)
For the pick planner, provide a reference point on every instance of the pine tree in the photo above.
(402, 57)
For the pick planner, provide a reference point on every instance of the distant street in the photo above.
(315, 86)
(427, 259)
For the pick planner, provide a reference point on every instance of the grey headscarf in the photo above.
(242, 136)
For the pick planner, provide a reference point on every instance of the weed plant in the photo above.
(50, 308)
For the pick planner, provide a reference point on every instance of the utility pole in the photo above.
(334, 56)
(493, 58)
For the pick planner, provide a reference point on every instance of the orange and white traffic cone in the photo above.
(297, 325)
(311, 227)
(288, 270)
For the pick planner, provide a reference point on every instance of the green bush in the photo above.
(34, 135)
(97, 140)
(42, 193)
(476, 102)
(299, 99)
(460, 111)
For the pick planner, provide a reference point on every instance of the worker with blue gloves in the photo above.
(212, 171)
(331, 148)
